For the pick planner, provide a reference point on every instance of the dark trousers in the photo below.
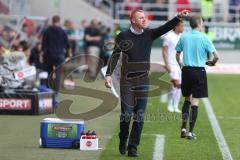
(54, 67)
(133, 106)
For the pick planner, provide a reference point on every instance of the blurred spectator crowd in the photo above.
(29, 40)
(37, 46)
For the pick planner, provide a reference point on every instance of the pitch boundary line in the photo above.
(222, 144)
(159, 147)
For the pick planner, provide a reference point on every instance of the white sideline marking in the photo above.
(226, 154)
(159, 147)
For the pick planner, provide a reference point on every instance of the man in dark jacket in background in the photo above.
(93, 42)
(55, 47)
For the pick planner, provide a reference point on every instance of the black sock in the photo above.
(185, 113)
(193, 117)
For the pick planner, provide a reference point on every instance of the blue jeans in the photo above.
(133, 105)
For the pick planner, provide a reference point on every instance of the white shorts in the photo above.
(175, 73)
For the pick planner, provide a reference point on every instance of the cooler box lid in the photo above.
(57, 120)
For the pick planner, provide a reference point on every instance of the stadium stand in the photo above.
(223, 11)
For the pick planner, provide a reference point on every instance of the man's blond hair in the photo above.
(133, 12)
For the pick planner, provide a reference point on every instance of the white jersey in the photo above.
(171, 39)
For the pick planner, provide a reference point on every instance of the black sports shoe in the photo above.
(122, 148)
(183, 133)
(191, 136)
(132, 152)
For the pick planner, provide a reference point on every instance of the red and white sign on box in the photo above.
(26, 72)
(88, 143)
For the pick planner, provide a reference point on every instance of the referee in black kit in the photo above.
(195, 47)
(135, 44)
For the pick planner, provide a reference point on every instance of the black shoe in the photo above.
(122, 148)
(183, 133)
(132, 152)
(191, 136)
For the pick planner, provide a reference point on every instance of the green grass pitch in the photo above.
(19, 135)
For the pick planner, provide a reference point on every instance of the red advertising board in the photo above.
(15, 104)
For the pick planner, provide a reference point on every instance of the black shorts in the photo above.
(194, 82)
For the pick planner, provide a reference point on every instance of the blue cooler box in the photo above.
(60, 133)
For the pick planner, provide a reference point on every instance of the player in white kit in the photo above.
(169, 57)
